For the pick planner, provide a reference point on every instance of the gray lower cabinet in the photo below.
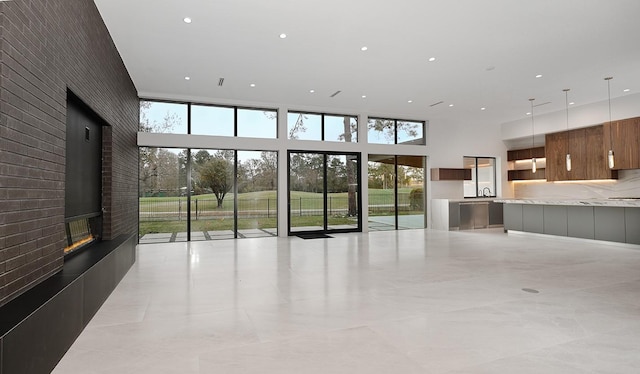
(609, 224)
(495, 214)
(555, 220)
(474, 215)
(454, 215)
(513, 217)
(580, 222)
(532, 218)
(632, 225)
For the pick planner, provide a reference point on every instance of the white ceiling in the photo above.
(487, 53)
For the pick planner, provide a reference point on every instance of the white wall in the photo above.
(451, 141)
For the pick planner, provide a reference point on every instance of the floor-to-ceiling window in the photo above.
(212, 194)
(257, 187)
(163, 194)
(207, 194)
(396, 192)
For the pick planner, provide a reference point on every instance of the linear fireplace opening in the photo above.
(83, 178)
(82, 232)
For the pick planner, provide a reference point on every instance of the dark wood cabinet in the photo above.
(524, 154)
(449, 174)
(525, 174)
(556, 145)
(624, 137)
(596, 155)
(588, 155)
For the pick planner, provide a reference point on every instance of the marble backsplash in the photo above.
(627, 185)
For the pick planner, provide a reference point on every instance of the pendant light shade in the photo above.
(610, 159)
(568, 157)
(534, 167)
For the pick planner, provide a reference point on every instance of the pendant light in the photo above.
(568, 158)
(610, 160)
(534, 167)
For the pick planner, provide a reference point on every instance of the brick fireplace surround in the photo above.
(49, 49)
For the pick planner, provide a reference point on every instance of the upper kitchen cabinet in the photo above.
(588, 155)
(520, 165)
(596, 155)
(450, 174)
(527, 153)
(556, 145)
(623, 136)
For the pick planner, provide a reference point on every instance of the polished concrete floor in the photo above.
(415, 301)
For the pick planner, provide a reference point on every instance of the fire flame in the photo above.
(78, 244)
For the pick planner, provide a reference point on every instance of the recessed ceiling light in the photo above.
(187, 78)
(483, 108)
(571, 103)
(539, 76)
(283, 35)
(364, 48)
(410, 101)
(528, 113)
(432, 59)
(626, 90)
(312, 91)
(364, 96)
(187, 19)
(450, 105)
(252, 85)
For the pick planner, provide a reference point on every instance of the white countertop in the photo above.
(470, 200)
(580, 202)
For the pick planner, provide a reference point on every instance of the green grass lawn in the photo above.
(265, 200)
(147, 227)
(160, 214)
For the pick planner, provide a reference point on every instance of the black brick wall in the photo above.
(46, 48)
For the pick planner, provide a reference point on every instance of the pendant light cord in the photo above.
(566, 100)
(532, 128)
(609, 94)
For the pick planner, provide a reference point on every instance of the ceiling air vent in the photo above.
(335, 93)
(541, 104)
(220, 82)
(438, 103)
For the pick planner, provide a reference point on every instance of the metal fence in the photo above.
(159, 210)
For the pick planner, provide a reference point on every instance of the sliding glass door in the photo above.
(324, 192)
(396, 192)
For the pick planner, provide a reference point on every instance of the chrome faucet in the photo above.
(486, 192)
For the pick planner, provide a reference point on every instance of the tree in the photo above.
(352, 173)
(169, 121)
(389, 128)
(381, 175)
(298, 127)
(201, 157)
(336, 175)
(217, 174)
(159, 171)
(149, 168)
(268, 170)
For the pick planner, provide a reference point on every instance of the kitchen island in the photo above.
(614, 219)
